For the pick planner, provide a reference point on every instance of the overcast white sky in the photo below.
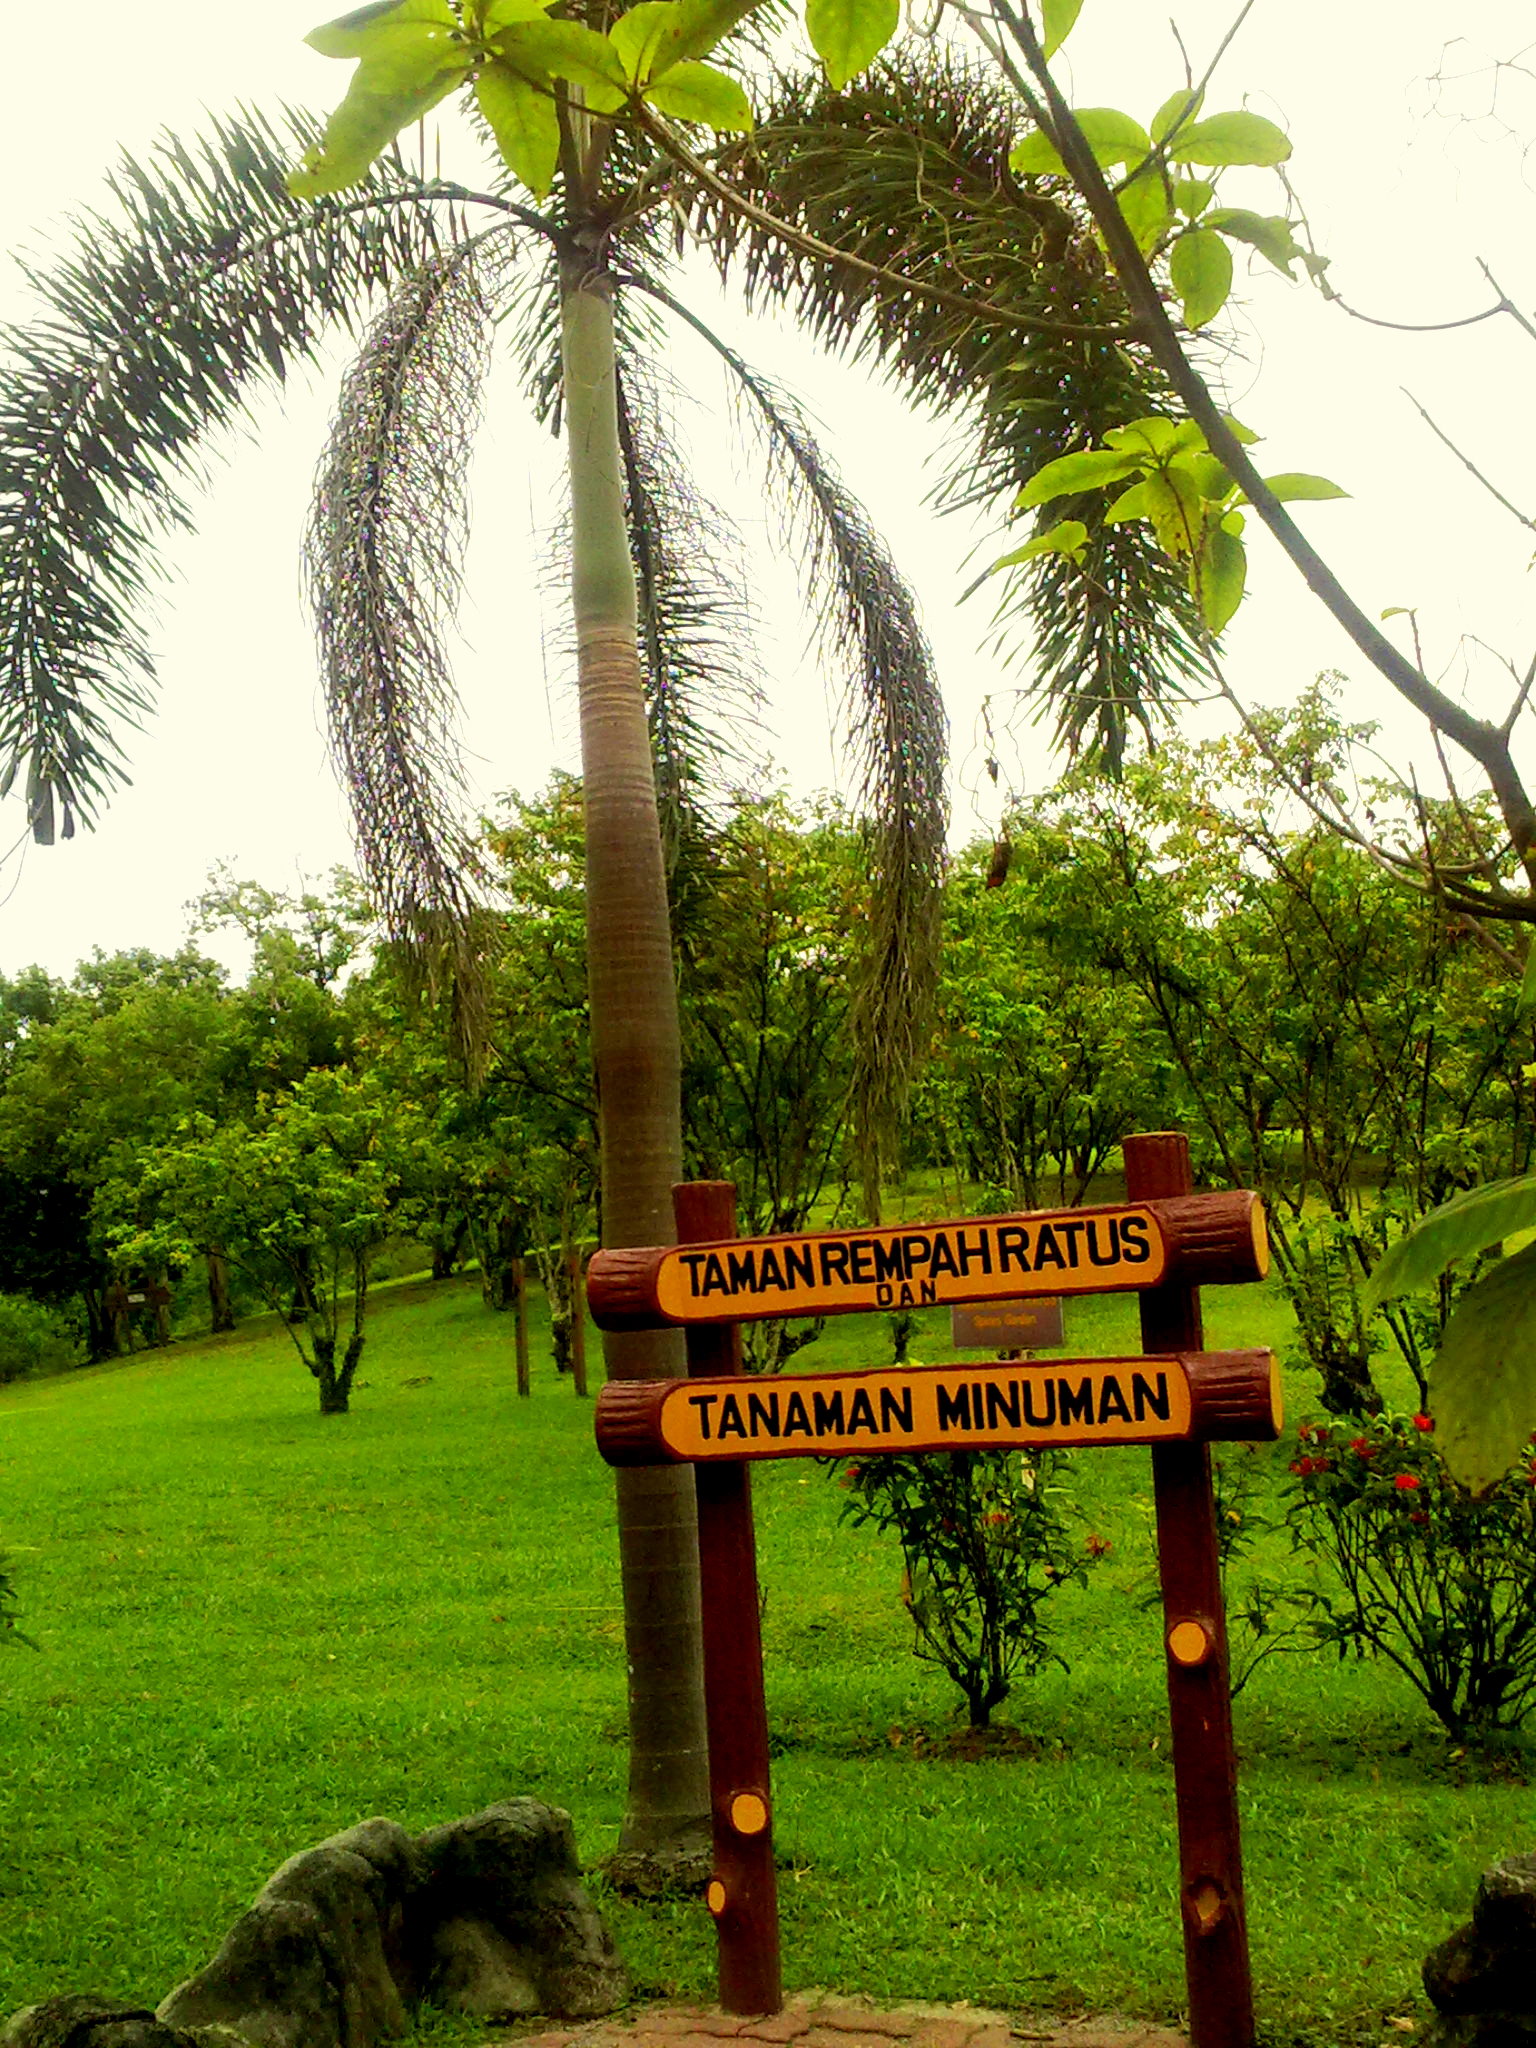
(233, 766)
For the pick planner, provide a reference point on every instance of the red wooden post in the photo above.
(520, 1317)
(1195, 1639)
(743, 1893)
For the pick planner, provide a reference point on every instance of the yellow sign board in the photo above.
(927, 1408)
(1081, 1251)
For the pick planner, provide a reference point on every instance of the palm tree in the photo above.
(208, 279)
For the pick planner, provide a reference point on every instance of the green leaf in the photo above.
(352, 35)
(1222, 570)
(1200, 269)
(1069, 473)
(1526, 1001)
(698, 25)
(1181, 106)
(1244, 436)
(1177, 512)
(1113, 138)
(1146, 204)
(503, 13)
(1208, 476)
(1192, 196)
(698, 92)
(1235, 138)
(1460, 1228)
(1136, 503)
(847, 34)
(524, 123)
(1056, 19)
(361, 129)
(1065, 538)
(1483, 1383)
(1269, 233)
(1155, 435)
(541, 50)
(639, 36)
(1294, 483)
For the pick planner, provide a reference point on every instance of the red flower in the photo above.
(999, 1515)
(1418, 1515)
(1098, 1546)
(1407, 1482)
(1424, 1422)
(1362, 1446)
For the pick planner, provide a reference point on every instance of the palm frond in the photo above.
(157, 324)
(867, 625)
(696, 616)
(908, 168)
(387, 537)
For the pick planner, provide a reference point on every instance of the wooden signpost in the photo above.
(1008, 1325)
(1174, 1396)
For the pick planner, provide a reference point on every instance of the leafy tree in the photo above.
(300, 1198)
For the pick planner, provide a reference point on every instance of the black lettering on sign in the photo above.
(896, 1409)
(928, 1292)
(742, 1268)
(834, 1263)
(1112, 1402)
(796, 1420)
(1134, 1248)
(861, 1413)
(954, 1408)
(764, 1409)
(731, 1423)
(1071, 1407)
(916, 1251)
(943, 1256)
(715, 1281)
(693, 1261)
(829, 1413)
(1110, 1256)
(888, 1263)
(1145, 1396)
(1012, 1248)
(981, 1250)
(703, 1402)
(1003, 1402)
(862, 1255)
(1072, 1230)
(769, 1274)
(1047, 1250)
(1047, 1420)
(799, 1265)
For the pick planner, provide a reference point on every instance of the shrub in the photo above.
(33, 1338)
(1438, 1580)
(986, 1540)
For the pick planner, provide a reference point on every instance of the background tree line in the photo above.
(1164, 950)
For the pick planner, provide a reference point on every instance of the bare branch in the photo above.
(1466, 461)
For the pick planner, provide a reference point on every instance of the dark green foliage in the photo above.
(908, 168)
(1439, 1581)
(987, 1540)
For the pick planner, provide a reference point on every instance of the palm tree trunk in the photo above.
(636, 1051)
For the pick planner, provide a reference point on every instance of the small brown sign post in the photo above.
(1009, 1325)
(1174, 1396)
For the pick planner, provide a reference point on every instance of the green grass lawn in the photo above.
(258, 1627)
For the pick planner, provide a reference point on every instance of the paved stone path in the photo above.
(814, 2020)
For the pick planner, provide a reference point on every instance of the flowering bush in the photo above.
(1439, 1581)
(986, 1539)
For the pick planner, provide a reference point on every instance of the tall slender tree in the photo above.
(209, 277)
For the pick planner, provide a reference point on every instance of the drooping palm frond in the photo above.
(205, 280)
(908, 168)
(388, 532)
(866, 623)
(697, 620)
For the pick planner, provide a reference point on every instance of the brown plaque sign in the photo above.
(1197, 1396)
(1008, 1325)
(1195, 1238)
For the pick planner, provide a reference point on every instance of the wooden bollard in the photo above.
(1211, 1898)
(743, 1892)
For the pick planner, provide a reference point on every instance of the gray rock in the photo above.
(81, 2021)
(504, 1923)
(1482, 1980)
(273, 1981)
